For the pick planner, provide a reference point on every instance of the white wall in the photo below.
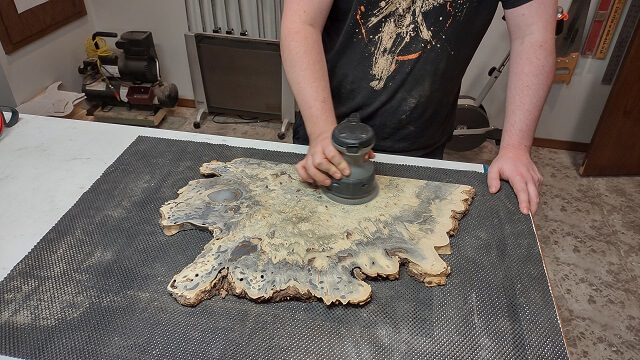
(166, 19)
(571, 112)
(52, 58)
(6, 95)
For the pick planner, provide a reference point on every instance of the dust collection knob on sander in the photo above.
(354, 140)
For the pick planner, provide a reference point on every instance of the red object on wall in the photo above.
(597, 26)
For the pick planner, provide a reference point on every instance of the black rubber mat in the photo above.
(95, 286)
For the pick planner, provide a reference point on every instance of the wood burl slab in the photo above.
(276, 238)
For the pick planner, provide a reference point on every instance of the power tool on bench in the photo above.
(130, 77)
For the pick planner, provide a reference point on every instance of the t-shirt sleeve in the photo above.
(510, 4)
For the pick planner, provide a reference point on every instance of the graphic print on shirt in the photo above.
(396, 30)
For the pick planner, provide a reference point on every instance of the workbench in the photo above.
(46, 164)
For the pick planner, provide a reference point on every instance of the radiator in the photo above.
(251, 25)
(252, 18)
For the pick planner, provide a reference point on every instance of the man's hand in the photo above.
(516, 167)
(322, 159)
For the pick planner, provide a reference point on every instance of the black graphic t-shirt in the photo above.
(400, 63)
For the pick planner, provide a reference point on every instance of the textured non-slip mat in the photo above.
(95, 285)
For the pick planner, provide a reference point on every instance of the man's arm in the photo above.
(304, 62)
(532, 33)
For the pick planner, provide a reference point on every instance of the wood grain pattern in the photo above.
(19, 30)
(276, 238)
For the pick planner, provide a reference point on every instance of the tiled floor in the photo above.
(589, 230)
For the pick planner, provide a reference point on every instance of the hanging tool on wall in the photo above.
(568, 44)
(596, 27)
(602, 28)
(609, 29)
(629, 25)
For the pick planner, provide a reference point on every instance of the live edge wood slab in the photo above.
(276, 238)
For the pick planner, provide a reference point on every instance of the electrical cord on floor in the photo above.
(242, 120)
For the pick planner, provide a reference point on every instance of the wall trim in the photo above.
(190, 103)
(561, 144)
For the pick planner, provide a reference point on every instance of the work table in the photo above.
(96, 263)
(47, 163)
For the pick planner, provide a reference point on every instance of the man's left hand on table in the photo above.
(516, 167)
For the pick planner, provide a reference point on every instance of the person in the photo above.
(399, 64)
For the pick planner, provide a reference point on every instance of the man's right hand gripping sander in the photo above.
(353, 139)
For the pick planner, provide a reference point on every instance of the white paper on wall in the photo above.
(24, 5)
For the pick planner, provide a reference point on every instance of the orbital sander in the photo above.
(354, 140)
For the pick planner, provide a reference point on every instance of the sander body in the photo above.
(353, 139)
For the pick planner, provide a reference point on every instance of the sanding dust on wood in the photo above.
(276, 238)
